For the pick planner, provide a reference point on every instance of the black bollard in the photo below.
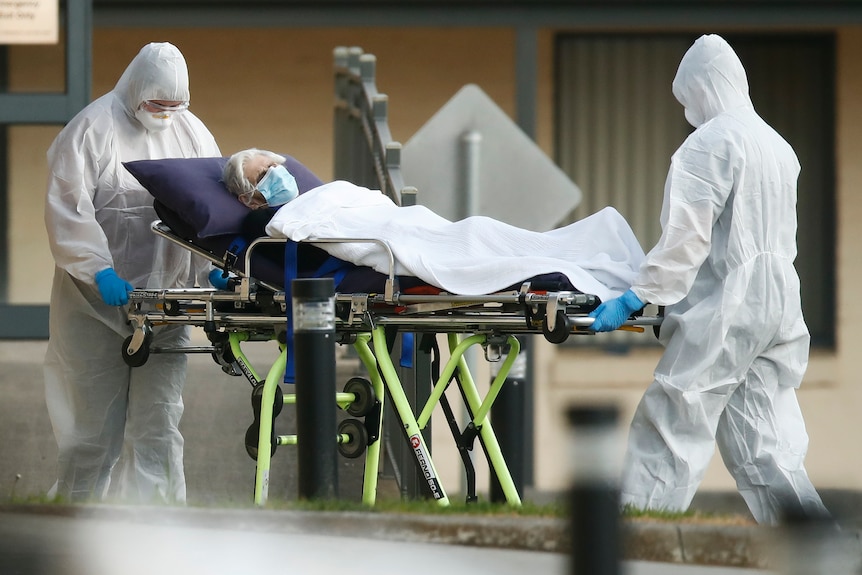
(314, 361)
(594, 494)
(807, 543)
(511, 424)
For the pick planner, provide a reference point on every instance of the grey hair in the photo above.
(233, 175)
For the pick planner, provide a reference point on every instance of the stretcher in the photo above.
(251, 310)
(371, 310)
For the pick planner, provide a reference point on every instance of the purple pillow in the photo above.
(192, 188)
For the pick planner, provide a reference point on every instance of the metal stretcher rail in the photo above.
(516, 313)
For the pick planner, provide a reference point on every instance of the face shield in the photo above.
(155, 85)
(156, 116)
(156, 107)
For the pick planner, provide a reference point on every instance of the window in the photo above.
(618, 124)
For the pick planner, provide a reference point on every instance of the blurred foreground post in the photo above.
(512, 423)
(810, 544)
(314, 358)
(594, 495)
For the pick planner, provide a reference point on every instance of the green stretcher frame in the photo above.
(554, 314)
(374, 355)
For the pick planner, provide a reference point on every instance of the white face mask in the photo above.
(277, 186)
(154, 122)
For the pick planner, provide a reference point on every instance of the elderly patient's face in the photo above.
(253, 170)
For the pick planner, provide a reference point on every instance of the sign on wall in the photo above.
(29, 21)
(470, 158)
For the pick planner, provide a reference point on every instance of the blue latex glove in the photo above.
(610, 315)
(114, 289)
(217, 280)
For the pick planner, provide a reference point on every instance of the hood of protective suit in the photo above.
(97, 214)
(710, 80)
(158, 72)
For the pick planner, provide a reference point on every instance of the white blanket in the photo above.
(477, 255)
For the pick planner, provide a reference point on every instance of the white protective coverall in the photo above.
(736, 342)
(98, 216)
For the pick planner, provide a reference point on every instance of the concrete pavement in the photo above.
(220, 475)
(223, 542)
(99, 539)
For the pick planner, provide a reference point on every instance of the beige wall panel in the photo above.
(31, 266)
(544, 135)
(849, 176)
(833, 417)
(273, 88)
(38, 68)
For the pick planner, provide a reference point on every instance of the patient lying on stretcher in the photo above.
(477, 255)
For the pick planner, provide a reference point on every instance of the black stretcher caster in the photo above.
(257, 400)
(357, 440)
(139, 342)
(223, 354)
(172, 308)
(252, 435)
(365, 399)
(562, 328)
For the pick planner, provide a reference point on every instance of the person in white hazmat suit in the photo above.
(98, 220)
(736, 342)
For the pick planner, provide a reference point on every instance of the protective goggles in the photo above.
(155, 107)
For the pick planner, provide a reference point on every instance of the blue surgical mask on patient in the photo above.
(278, 186)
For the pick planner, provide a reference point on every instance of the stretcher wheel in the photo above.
(141, 356)
(365, 400)
(172, 308)
(226, 359)
(224, 355)
(562, 328)
(252, 434)
(358, 438)
(257, 400)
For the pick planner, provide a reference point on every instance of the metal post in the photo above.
(508, 414)
(470, 153)
(526, 80)
(807, 543)
(471, 149)
(594, 495)
(314, 358)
